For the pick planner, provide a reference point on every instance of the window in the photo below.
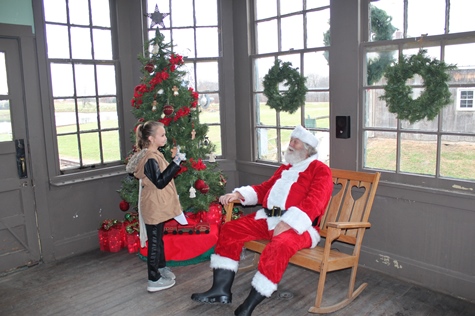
(192, 26)
(465, 99)
(437, 153)
(83, 82)
(292, 31)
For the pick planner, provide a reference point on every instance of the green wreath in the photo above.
(290, 100)
(436, 92)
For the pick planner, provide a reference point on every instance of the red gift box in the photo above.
(111, 240)
(111, 236)
(133, 242)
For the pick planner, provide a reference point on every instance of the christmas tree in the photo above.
(164, 96)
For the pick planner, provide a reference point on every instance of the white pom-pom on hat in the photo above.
(305, 136)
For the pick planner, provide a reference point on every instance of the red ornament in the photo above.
(168, 109)
(204, 189)
(199, 184)
(149, 67)
(124, 205)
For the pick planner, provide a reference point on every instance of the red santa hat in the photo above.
(305, 136)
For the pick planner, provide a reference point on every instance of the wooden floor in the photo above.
(98, 283)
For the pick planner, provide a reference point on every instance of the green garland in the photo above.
(290, 100)
(436, 92)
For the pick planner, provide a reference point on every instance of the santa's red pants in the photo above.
(277, 253)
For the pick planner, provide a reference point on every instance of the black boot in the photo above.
(220, 292)
(246, 308)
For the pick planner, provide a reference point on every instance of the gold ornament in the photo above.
(175, 90)
(154, 106)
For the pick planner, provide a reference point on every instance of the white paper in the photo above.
(181, 219)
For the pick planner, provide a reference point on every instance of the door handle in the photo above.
(21, 158)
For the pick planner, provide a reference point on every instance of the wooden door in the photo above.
(19, 242)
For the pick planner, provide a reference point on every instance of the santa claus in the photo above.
(293, 200)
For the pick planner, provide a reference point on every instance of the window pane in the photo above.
(6, 134)
(380, 150)
(55, 10)
(376, 111)
(323, 148)
(459, 120)
(289, 6)
(377, 61)
(317, 110)
(433, 26)
(292, 32)
(108, 113)
(79, 12)
(209, 105)
(394, 9)
(462, 56)
(422, 125)
(267, 144)
(214, 135)
(85, 81)
(182, 13)
(457, 156)
(62, 80)
(81, 43)
(265, 115)
(267, 37)
(312, 4)
(189, 77)
(207, 76)
(207, 42)
(461, 16)
(110, 145)
(68, 152)
(65, 116)
(318, 23)
(100, 13)
(261, 68)
(316, 70)
(287, 119)
(418, 153)
(102, 44)
(57, 41)
(90, 149)
(206, 12)
(184, 42)
(106, 79)
(3, 75)
(265, 8)
(87, 114)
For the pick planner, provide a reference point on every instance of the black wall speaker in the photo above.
(343, 127)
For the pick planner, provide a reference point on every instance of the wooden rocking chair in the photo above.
(345, 220)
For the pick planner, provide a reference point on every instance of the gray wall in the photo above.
(418, 234)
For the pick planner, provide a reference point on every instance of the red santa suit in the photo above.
(303, 191)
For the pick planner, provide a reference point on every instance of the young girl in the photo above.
(158, 198)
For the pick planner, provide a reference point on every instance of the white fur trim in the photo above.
(263, 285)
(220, 262)
(297, 219)
(250, 196)
(305, 136)
(315, 236)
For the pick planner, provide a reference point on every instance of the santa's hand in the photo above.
(280, 228)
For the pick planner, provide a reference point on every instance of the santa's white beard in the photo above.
(293, 156)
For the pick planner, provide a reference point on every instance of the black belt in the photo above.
(275, 211)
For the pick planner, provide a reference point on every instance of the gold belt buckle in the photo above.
(276, 210)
